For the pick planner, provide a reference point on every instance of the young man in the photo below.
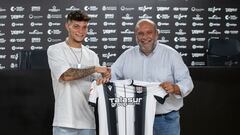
(152, 61)
(73, 67)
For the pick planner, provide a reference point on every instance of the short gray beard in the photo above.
(141, 48)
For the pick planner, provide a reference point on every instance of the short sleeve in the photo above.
(160, 95)
(93, 94)
(57, 62)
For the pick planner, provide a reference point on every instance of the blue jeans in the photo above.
(167, 124)
(72, 131)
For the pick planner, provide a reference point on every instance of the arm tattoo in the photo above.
(79, 73)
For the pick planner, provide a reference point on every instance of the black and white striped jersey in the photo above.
(126, 107)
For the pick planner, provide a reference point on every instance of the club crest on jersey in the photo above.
(109, 87)
(139, 89)
(124, 101)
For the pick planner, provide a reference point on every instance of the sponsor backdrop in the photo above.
(185, 25)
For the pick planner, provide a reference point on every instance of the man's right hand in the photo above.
(106, 74)
(101, 69)
(105, 71)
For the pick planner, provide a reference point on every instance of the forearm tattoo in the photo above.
(79, 73)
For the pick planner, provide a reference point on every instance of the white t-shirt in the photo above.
(125, 109)
(71, 97)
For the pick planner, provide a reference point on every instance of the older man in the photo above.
(152, 61)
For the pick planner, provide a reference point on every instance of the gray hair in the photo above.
(146, 20)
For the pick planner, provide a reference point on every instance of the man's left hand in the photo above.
(170, 88)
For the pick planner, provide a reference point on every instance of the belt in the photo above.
(159, 115)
